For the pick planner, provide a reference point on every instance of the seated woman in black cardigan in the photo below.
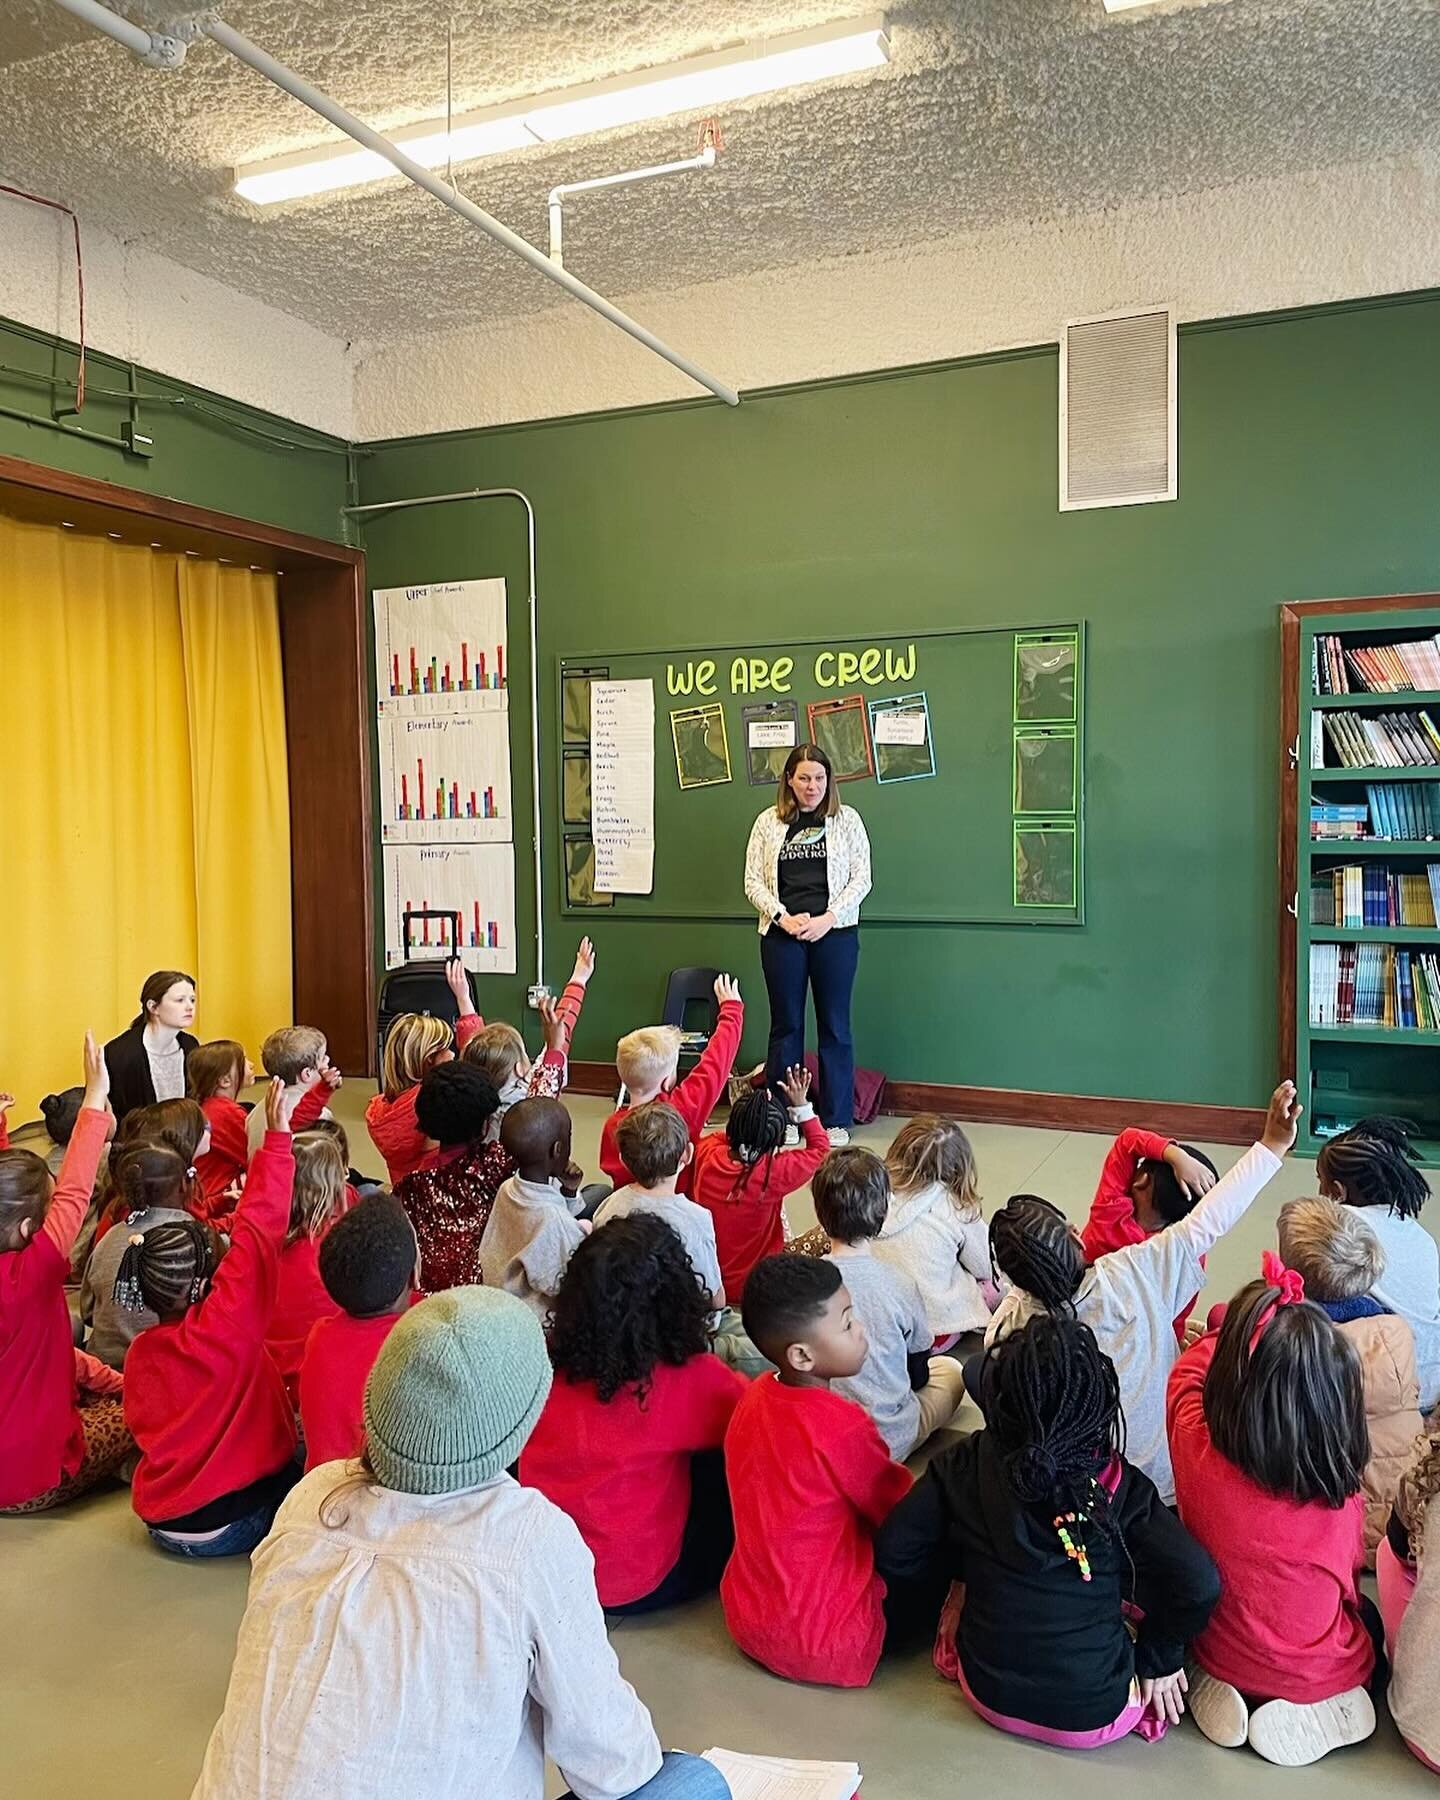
(147, 1060)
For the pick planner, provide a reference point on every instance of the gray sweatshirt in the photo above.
(888, 1304)
(528, 1241)
(692, 1224)
(114, 1328)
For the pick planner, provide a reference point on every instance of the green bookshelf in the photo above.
(1345, 1069)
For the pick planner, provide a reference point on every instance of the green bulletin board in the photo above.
(975, 814)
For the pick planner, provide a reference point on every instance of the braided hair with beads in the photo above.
(1373, 1164)
(755, 1132)
(1052, 1408)
(167, 1268)
(1032, 1244)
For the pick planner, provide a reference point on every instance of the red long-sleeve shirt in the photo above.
(1112, 1223)
(745, 1199)
(42, 1438)
(224, 1162)
(203, 1400)
(339, 1355)
(693, 1098)
(393, 1128)
(301, 1301)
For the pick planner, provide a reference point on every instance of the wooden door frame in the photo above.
(321, 587)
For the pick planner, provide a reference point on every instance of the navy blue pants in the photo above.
(827, 969)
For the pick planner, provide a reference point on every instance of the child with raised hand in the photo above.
(216, 1074)
(1340, 1262)
(55, 1441)
(317, 1199)
(1131, 1297)
(532, 1231)
(178, 1123)
(648, 1061)
(415, 1044)
(449, 1203)
(505, 1660)
(629, 1443)
(1146, 1183)
(153, 1186)
(934, 1231)
(204, 1402)
(655, 1143)
(59, 1112)
(368, 1263)
(1267, 1433)
(300, 1057)
(1372, 1168)
(499, 1052)
(907, 1392)
(744, 1174)
(810, 1481)
(1056, 1540)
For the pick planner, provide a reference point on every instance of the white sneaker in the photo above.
(1218, 1709)
(839, 1137)
(1293, 1735)
(792, 1138)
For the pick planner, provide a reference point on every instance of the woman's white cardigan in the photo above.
(847, 851)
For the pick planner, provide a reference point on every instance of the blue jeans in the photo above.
(238, 1538)
(827, 968)
(681, 1777)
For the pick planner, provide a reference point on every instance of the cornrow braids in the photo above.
(1373, 1163)
(755, 1131)
(1052, 1403)
(1032, 1244)
(166, 1269)
(149, 1173)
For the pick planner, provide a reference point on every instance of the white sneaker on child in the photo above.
(1293, 1735)
(839, 1137)
(792, 1138)
(1218, 1709)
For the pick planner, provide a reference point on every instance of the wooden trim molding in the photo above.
(1018, 1106)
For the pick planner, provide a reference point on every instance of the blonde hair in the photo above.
(496, 1051)
(291, 1050)
(319, 1192)
(644, 1059)
(931, 1149)
(1337, 1254)
(411, 1046)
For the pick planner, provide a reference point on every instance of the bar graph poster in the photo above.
(445, 778)
(441, 647)
(475, 880)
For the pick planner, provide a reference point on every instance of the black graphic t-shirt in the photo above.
(805, 866)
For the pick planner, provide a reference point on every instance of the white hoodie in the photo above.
(947, 1257)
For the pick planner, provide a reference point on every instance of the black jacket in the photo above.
(1036, 1641)
(130, 1082)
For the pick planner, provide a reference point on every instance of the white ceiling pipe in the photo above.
(705, 160)
(161, 50)
(277, 73)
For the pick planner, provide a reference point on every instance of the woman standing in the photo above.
(807, 869)
(147, 1060)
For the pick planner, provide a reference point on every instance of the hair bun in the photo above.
(51, 1106)
(1034, 1473)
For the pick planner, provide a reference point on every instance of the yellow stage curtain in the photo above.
(142, 751)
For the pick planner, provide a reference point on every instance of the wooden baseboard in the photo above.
(1018, 1106)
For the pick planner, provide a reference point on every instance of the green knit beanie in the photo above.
(455, 1391)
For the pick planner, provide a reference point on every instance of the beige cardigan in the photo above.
(847, 851)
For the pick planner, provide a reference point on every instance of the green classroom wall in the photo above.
(927, 499)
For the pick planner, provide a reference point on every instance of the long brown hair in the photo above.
(785, 803)
(208, 1064)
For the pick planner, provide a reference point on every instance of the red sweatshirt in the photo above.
(224, 1162)
(1112, 1223)
(693, 1098)
(745, 1199)
(810, 1480)
(1288, 1624)
(339, 1355)
(393, 1129)
(204, 1402)
(301, 1301)
(42, 1438)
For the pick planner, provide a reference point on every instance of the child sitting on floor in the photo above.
(216, 1074)
(1408, 1578)
(204, 1402)
(499, 1052)
(1267, 1433)
(1146, 1183)
(532, 1231)
(648, 1061)
(1371, 1168)
(1130, 1298)
(449, 1203)
(1341, 1263)
(153, 1186)
(317, 1199)
(56, 1439)
(298, 1054)
(59, 1112)
(1056, 1540)
(906, 1391)
(655, 1142)
(178, 1123)
(368, 1265)
(415, 1044)
(629, 1441)
(810, 1480)
(934, 1231)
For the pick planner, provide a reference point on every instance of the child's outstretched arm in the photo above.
(560, 1017)
(1230, 1199)
(6, 1102)
(467, 1016)
(694, 1098)
(71, 1199)
(793, 1168)
(312, 1103)
(242, 1293)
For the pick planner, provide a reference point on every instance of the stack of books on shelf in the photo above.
(1403, 809)
(1397, 740)
(1375, 668)
(1374, 894)
(1374, 985)
(1340, 821)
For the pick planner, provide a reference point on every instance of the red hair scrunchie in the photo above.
(1290, 1282)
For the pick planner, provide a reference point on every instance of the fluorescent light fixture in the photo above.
(761, 66)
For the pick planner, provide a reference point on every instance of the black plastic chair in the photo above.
(687, 989)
